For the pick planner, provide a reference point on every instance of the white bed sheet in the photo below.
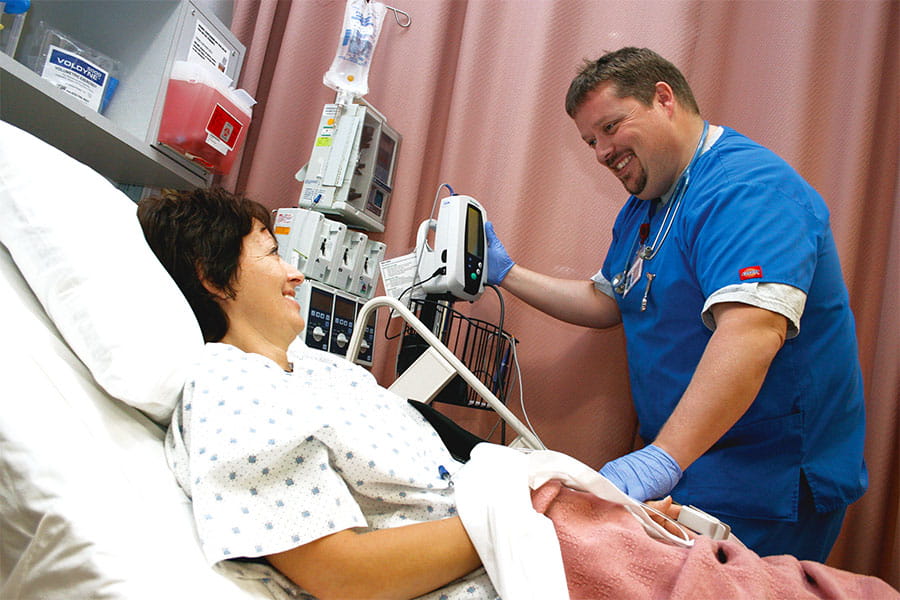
(88, 507)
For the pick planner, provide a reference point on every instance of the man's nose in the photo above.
(603, 151)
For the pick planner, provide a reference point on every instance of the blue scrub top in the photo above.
(748, 217)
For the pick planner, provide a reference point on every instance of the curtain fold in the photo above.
(476, 89)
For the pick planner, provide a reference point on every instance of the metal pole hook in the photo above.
(397, 13)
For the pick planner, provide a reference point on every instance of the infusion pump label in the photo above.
(283, 222)
(327, 126)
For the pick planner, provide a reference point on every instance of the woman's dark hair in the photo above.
(635, 73)
(197, 235)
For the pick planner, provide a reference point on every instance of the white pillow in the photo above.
(77, 241)
(89, 507)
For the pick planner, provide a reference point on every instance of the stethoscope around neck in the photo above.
(647, 252)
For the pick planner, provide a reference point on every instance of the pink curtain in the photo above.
(476, 89)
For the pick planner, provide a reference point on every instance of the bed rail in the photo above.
(526, 437)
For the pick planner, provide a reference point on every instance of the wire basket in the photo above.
(484, 348)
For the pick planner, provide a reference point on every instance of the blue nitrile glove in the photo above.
(645, 474)
(498, 261)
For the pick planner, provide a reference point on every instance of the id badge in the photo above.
(634, 274)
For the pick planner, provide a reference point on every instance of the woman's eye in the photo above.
(610, 127)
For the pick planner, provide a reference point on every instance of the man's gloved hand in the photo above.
(644, 474)
(498, 261)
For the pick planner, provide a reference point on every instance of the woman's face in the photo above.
(263, 306)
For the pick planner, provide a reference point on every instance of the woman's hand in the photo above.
(669, 508)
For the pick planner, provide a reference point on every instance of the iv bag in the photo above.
(349, 72)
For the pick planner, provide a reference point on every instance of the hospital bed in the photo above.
(95, 336)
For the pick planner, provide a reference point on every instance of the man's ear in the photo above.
(665, 97)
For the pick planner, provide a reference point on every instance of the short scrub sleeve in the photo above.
(785, 300)
(752, 235)
(280, 494)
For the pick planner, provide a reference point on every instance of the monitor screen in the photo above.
(474, 232)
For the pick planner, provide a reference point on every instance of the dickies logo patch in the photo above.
(750, 273)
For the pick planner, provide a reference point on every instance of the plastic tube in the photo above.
(17, 8)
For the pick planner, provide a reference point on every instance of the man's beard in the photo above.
(638, 186)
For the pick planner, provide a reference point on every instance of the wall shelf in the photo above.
(37, 106)
(144, 37)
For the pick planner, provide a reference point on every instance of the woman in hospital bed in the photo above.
(298, 457)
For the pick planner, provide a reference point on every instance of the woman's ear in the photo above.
(214, 290)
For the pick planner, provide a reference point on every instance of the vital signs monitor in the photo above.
(456, 266)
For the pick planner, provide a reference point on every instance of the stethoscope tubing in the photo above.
(649, 252)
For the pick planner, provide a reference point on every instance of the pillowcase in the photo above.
(89, 507)
(77, 241)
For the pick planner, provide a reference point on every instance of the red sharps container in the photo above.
(204, 118)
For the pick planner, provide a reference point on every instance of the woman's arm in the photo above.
(401, 562)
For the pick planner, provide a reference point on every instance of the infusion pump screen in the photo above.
(384, 159)
(474, 235)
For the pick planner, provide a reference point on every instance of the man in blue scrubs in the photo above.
(741, 345)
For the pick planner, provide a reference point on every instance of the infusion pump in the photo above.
(341, 268)
(330, 317)
(351, 168)
(328, 252)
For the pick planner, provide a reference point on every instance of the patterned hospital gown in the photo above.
(274, 460)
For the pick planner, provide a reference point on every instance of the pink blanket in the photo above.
(607, 554)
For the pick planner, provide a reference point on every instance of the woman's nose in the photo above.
(293, 274)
